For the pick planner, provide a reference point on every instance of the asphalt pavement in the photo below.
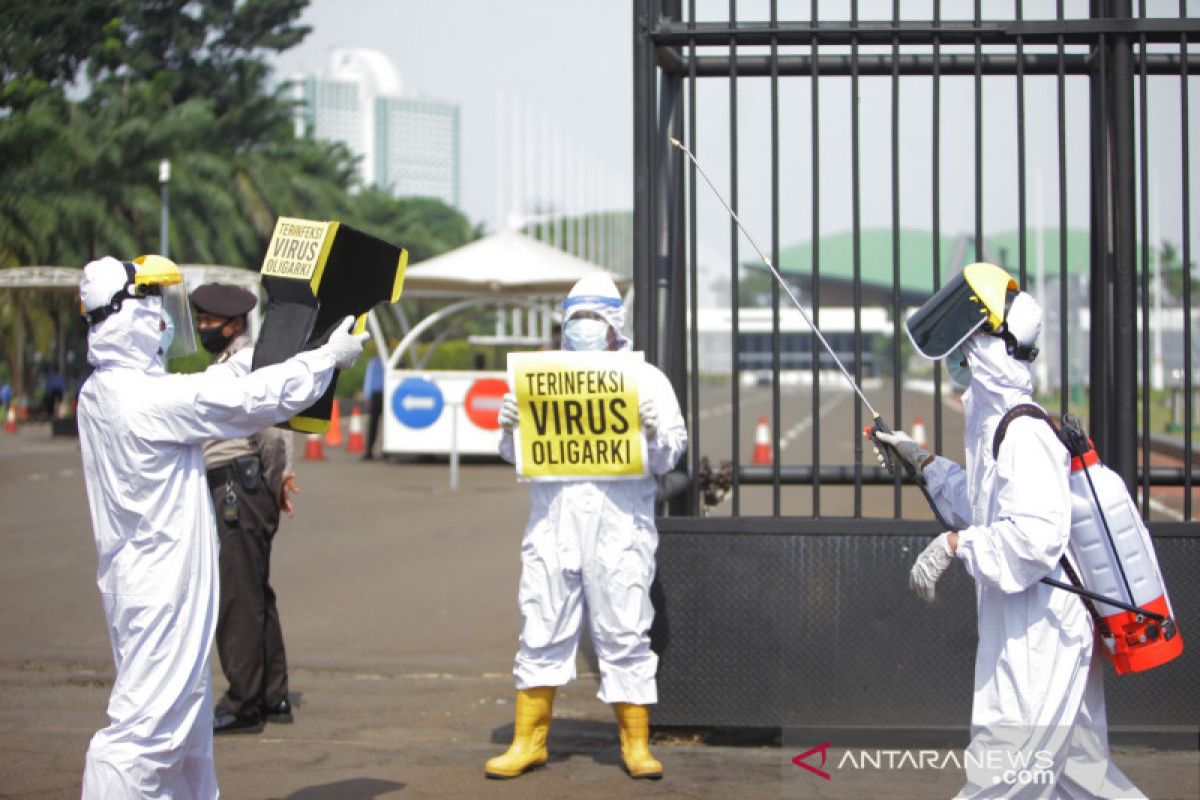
(398, 602)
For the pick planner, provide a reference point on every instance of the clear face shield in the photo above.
(177, 313)
(158, 275)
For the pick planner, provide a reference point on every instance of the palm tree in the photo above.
(32, 320)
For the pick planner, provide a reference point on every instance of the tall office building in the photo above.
(407, 146)
(416, 147)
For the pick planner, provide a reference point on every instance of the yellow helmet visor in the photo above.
(974, 299)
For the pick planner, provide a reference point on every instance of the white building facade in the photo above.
(407, 146)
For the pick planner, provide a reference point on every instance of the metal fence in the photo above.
(872, 155)
(1107, 250)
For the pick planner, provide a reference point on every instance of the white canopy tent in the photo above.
(506, 270)
(503, 264)
(454, 411)
(67, 279)
(40, 278)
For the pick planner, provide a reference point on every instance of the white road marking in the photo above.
(1163, 508)
(796, 430)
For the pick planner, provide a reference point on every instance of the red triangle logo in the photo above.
(799, 760)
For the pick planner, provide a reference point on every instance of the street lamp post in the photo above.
(164, 177)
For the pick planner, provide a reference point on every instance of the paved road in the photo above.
(838, 433)
(398, 605)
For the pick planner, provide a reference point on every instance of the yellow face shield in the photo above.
(159, 275)
(975, 299)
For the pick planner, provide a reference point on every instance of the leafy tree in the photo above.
(179, 80)
(43, 45)
(170, 79)
(33, 320)
(424, 225)
(1171, 264)
(212, 50)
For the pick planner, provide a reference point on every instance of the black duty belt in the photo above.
(244, 470)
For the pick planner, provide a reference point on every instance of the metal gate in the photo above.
(872, 155)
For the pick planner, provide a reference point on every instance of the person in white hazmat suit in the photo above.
(141, 432)
(589, 549)
(1038, 724)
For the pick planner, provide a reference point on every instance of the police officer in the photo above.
(251, 481)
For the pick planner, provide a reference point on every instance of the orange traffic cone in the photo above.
(356, 442)
(762, 442)
(10, 420)
(918, 433)
(312, 448)
(333, 437)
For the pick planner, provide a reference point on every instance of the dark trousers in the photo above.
(374, 412)
(249, 639)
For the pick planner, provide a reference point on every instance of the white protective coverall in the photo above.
(590, 545)
(140, 432)
(1039, 685)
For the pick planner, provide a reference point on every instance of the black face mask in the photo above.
(214, 340)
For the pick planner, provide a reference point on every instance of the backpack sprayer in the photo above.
(1110, 552)
(1137, 637)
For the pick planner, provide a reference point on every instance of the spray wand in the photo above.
(878, 425)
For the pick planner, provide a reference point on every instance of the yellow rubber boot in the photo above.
(531, 726)
(634, 724)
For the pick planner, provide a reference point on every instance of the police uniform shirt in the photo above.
(273, 445)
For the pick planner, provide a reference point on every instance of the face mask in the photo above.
(583, 334)
(214, 340)
(956, 366)
(168, 334)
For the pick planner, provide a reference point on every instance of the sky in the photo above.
(563, 66)
(545, 89)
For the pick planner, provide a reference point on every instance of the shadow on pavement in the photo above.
(573, 737)
(349, 789)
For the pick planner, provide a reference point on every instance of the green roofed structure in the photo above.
(836, 261)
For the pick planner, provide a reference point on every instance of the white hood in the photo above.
(998, 382)
(132, 337)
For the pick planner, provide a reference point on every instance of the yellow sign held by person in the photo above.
(578, 415)
(315, 274)
(297, 248)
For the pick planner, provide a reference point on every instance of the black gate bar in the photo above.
(909, 64)
(1076, 31)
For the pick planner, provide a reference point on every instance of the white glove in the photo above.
(344, 346)
(508, 411)
(908, 450)
(649, 415)
(930, 565)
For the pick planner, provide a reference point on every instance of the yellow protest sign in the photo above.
(297, 248)
(578, 415)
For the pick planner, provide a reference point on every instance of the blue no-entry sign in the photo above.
(417, 403)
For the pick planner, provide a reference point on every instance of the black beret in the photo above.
(223, 300)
